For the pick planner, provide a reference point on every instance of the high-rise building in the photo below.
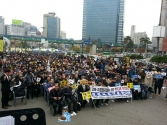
(163, 22)
(2, 25)
(62, 35)
(138, 36)
(51, 26)
(104, 20)
(132, 34)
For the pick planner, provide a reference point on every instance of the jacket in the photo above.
(80, 89)
(54, 93)
(5, 84)
(67, 92)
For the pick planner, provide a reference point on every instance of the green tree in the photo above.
(129, 45)
(145, 41)
(24, 44)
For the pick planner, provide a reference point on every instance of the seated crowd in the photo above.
(62, 79)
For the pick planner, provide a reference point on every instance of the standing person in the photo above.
(5, 81)
(158, 84)
(29, 79)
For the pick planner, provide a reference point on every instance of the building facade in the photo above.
(2, 25)
(104, 20)
(62, 35)
(15, 30)
(51, 26)
(132, 34)
(138, 36)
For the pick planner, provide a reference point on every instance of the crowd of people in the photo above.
(38, 72)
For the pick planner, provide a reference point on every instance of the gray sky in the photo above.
(142, 13)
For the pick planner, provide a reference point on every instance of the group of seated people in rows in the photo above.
(58, 96)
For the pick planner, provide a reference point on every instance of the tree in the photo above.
(144, 42)
(86, 48)
(128, 43)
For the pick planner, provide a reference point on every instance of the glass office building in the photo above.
(103, 20)
(53, 27)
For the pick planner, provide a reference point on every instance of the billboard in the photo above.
(1, 44)
(17, 22)
(159, 31)
(33, 29)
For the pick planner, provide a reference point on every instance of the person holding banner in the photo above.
(136, 91)
(67, 91)
(82, 88)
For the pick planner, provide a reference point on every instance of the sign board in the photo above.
(1, 44)
(158, 76)
(99, 92)
(86, 95)
(116, 59)
(130, 85)
(137, 87)
(159, 31)
(33, 29)
(17, 22)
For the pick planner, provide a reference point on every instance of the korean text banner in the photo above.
(99, 92)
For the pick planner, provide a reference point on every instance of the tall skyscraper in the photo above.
(2, 25)
(51, 26)
(104, 20)
(132, 34)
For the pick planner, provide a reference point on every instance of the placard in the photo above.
(86, 95)
(130, 85)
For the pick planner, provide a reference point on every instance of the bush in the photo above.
(68, 54)
(135, 56)
(159, 59)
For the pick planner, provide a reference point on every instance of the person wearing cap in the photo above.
(5, 89)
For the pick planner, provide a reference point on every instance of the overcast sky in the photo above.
(142, 13)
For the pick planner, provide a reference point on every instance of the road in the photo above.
(139, 112)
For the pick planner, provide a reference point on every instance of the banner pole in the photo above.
(93, 103)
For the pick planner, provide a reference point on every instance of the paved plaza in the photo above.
(139, 112)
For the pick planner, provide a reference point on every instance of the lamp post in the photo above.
(112, 45)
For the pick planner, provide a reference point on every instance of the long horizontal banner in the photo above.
(99, 92)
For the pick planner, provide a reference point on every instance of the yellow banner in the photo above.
(86, 95)
(130, 85)
(1, 45)
(63, 83)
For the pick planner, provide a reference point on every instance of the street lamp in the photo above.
(112, 45)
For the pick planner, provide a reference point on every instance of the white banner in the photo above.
(99, 92)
